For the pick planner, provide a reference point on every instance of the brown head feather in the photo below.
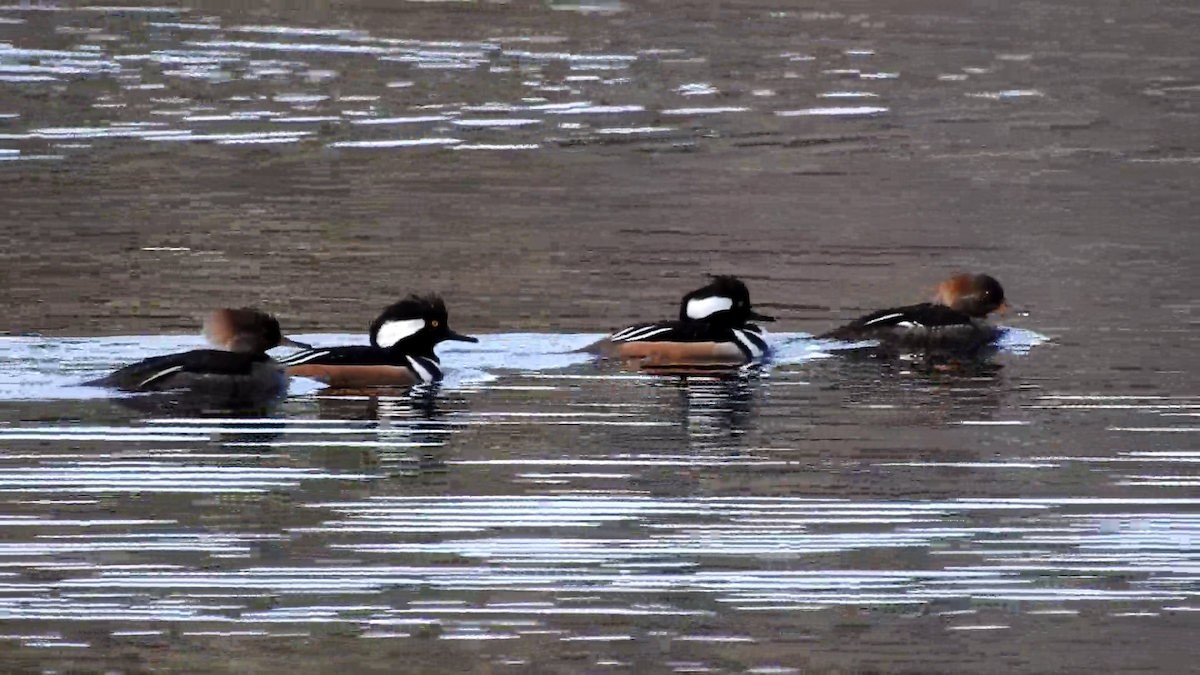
(242, 330)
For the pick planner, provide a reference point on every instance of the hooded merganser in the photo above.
(400, 353)
(239, 372)
(953, 322)
(713, 329)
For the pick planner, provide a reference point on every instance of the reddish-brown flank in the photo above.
(667, 354)
(351, 377)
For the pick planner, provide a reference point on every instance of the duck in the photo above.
(238, 372)
(400, 354)
(715, 329)
(954, 322)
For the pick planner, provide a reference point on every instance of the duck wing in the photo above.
(164, 372)
(357, 355)
(899, 319)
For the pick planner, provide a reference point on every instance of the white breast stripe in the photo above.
(909, 324)
(302, 357)
(702, 308)
(392, 332)
(420, 369)
(748, 342)
(644, 334)
(883, 318)
(161, 373)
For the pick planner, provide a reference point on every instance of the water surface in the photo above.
(558, 171)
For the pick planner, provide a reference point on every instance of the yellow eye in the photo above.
(434, 323)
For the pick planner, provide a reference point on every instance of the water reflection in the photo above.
(406, 428)
(718, 411)
(191, 404)
(915, 393)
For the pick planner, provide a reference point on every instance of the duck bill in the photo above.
(755, 316)
(451, 335)
(289, 342)
(1003, 309)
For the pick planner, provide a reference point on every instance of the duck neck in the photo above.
(417, 345)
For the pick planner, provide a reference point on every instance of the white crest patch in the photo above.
(392, 332)
(702, 308)
(884, 318)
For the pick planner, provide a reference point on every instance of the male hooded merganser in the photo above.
(713, 329)
(400, 353)
(954, 322)
(240, 372)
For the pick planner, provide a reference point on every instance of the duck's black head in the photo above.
(414, 326)
(245, 330)
(975, 295)
(725, 300)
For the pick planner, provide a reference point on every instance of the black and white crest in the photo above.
(701, 308)
(407, 318)
(393, 331)
(726, 300)
(414, 326)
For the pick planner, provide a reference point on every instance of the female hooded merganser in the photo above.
(713, 329)
(238, 373)
(954, 322)
(400, 353)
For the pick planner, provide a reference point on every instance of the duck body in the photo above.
(714, 329)
(240, 375)
(685, 343)
(921, 327)
(955, 323)
(202, 371)
(400, 354)
(354, 367)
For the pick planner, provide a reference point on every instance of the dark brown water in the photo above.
(556, 173)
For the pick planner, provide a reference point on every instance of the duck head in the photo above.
(725, 300)
(975, 295)
(245, 330)
(414, 326)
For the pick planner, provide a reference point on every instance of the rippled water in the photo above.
(558, 170)
(288, 85)
(539, 496)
